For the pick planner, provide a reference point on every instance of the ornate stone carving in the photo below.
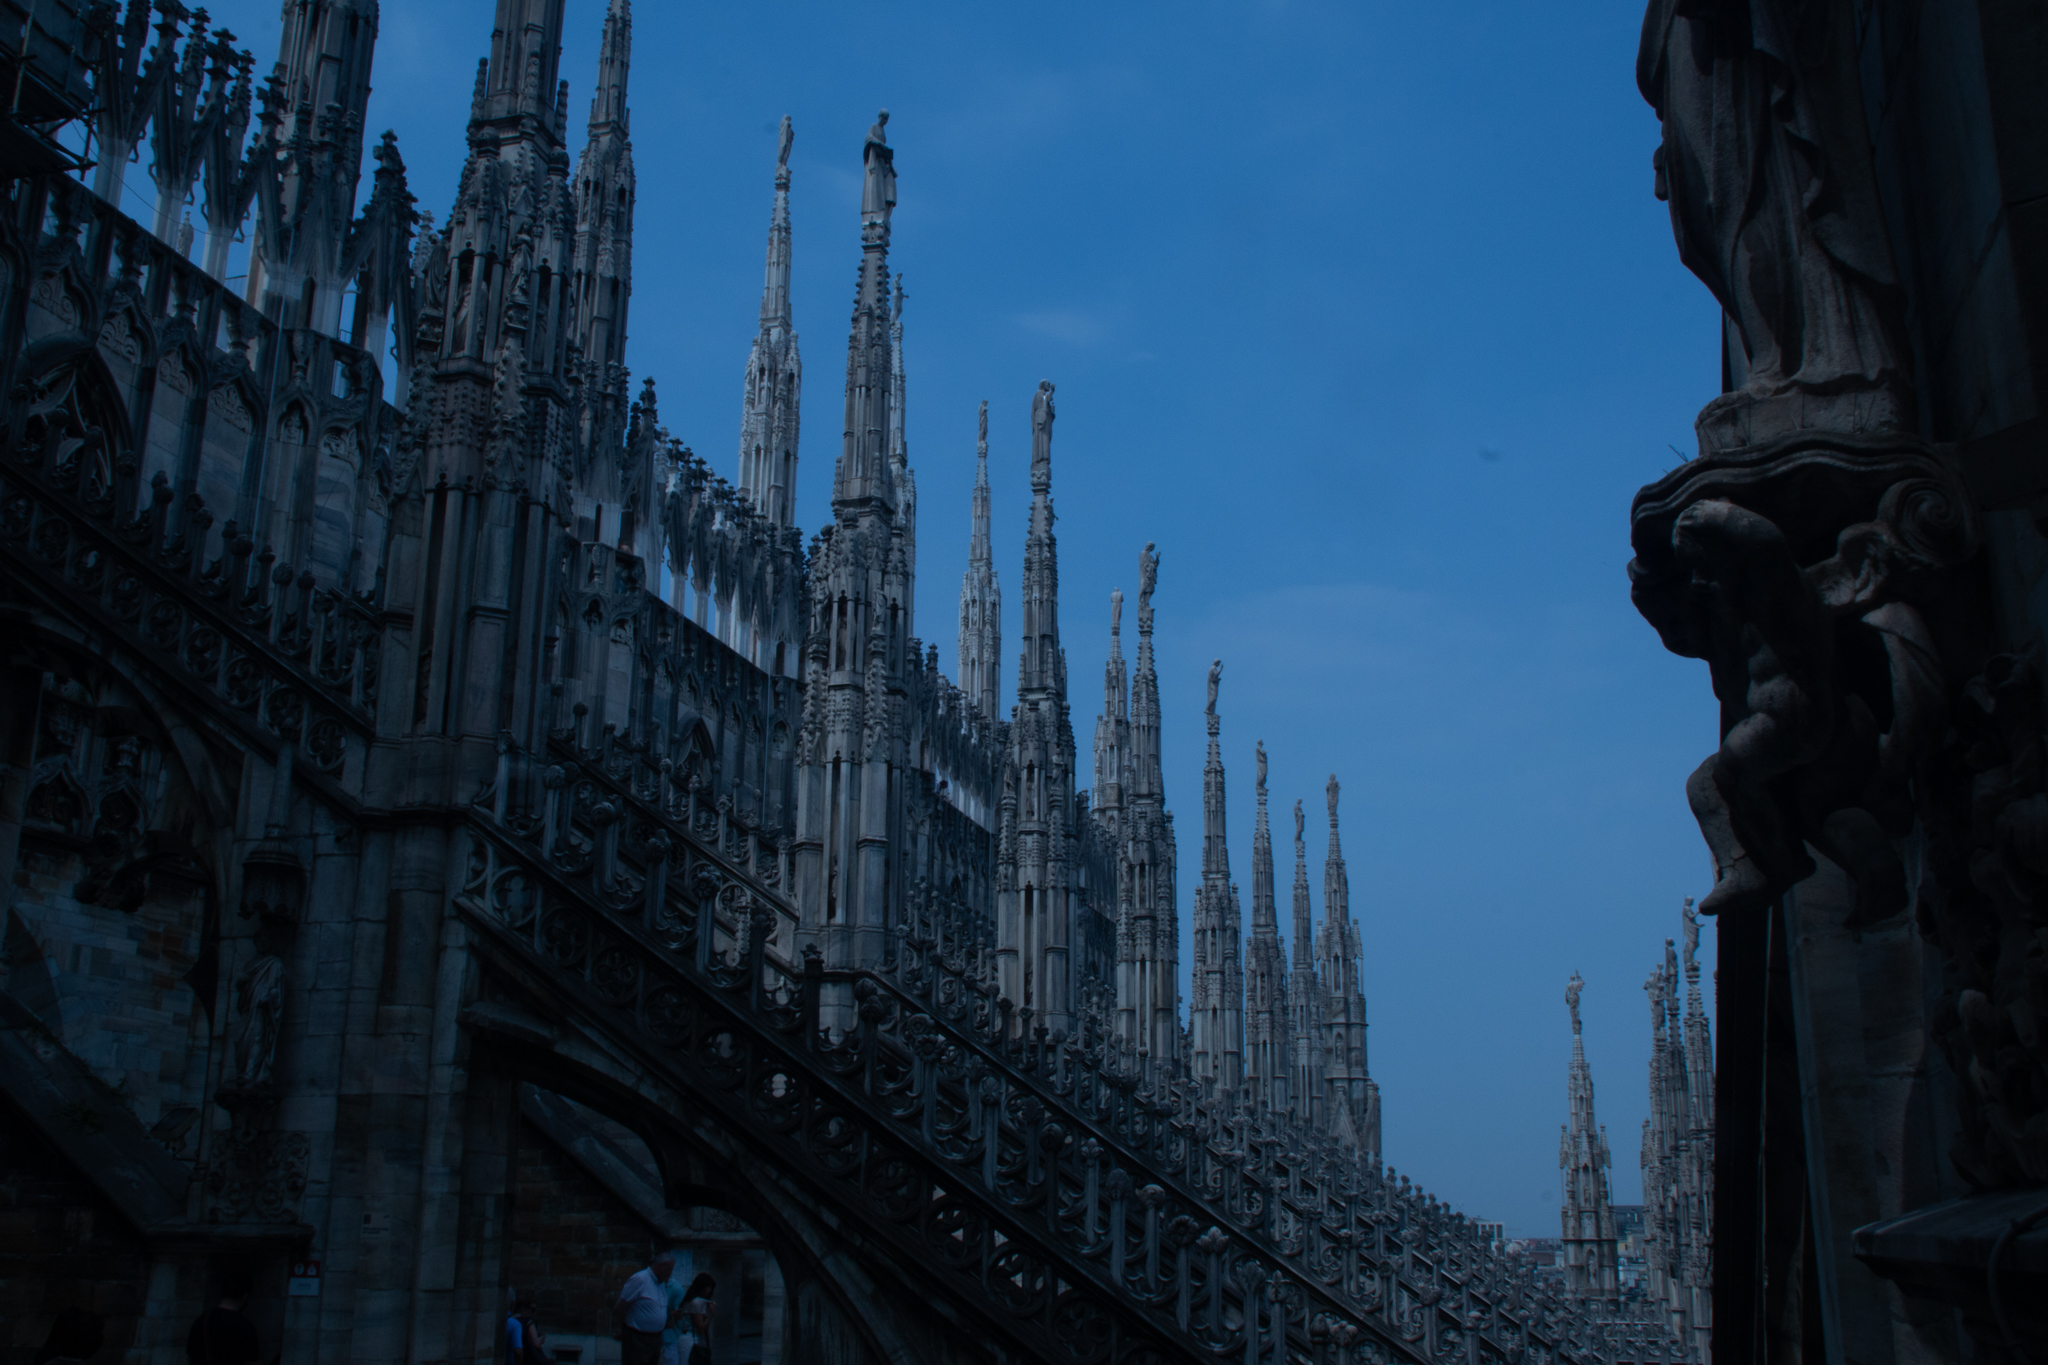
(255, 1176)
(1766, 164)
(1807, 649)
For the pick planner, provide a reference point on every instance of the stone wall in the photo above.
(572, 1243)
(62, 1245)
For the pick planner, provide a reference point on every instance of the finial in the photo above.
(1571, 998)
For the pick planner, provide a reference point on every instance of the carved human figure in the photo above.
(1041, 436)
(1330, 790)
(521, 291)
(1766, 163)
(878, 190)
(1116, 611)
(1767, 641)
(981, 432)
(1148, 574)
(259, 1013)
(1571, 998)
(785, 139)
(1299, 822)
(1215, 681)
(1261, 754)
(1801, 760)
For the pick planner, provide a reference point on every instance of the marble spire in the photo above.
(305, 181)
(1216, 1014)
(1039, 665)
(1590, 1265)
(771, 406)
(601, 265)
(900, 473)
(1678, 1149)
(854, 749)
(1268, 1059)
(862, 477)
(1148, 920)
(1112, 731)
(1353, 1097)
(1040, 820)
(615, 55)
(981, 599)
(1305, 997)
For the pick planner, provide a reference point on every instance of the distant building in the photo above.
(1630, 1266)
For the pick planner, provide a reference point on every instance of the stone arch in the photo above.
(73, 421)
(127, 343)
(234, 417)
(179, 382)
(693, 750)
(337, 477)
(833, 1296)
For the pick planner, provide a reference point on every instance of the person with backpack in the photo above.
(525, 1342)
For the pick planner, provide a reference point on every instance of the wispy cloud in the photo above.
(1069, 326)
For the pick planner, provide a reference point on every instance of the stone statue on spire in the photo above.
(1116, 611)
(1261, 747)
(1571, 997)
(1330, 794)
(784, 141)
(1041, 435)
(1148, 574)
(1215, 681)
(1300, 822)
(878, 193)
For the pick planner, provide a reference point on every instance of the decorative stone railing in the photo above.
(271, 647)
(1089, 1213)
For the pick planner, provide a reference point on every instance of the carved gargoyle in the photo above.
(1829, 680)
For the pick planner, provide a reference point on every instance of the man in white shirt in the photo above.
(643, 1312)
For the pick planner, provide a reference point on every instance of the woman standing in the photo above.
(698, 1306)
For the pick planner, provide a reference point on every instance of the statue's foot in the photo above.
(1742, 886)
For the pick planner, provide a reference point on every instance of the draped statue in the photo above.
(1766, 164)
(1041, 436)
(878, 192)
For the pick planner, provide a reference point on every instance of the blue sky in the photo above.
(1365, 313)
